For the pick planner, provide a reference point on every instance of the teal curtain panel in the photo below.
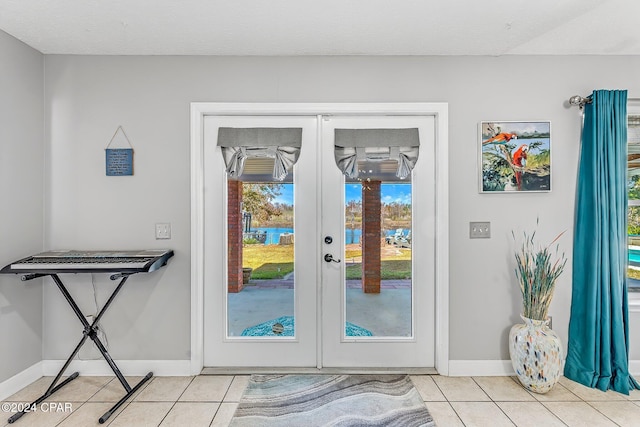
(598, 347)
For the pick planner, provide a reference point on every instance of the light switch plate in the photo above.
(163, 231)
(480, 230)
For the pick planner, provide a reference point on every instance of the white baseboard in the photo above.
(634, 368)
(480, 368)
(161, 368)
(20, 380)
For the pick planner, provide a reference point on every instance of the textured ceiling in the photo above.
(328, 27)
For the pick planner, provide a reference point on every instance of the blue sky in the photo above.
(286, 195)
(400, 193)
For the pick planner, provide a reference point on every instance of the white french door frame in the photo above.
(199, 110)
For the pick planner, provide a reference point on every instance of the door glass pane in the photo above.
(262, 305)
(378, 261)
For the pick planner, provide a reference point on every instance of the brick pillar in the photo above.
(371, 236)
(234, 236)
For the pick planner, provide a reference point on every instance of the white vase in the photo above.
(536, 354)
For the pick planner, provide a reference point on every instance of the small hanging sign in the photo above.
(119, 161)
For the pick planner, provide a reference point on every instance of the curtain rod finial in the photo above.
(579, 101)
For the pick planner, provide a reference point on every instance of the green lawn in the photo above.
(268, 261)
(390, 269)
(276, 261)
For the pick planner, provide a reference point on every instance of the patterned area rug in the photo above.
(331, 400)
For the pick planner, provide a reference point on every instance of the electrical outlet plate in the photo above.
(163, 230)
(479, 230)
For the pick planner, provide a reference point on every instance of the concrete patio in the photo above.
(387, 314)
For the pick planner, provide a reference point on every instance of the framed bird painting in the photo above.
(515, 156)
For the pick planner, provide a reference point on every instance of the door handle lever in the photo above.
(329, 258)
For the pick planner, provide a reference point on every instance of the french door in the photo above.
(306, 303)
(400, 314)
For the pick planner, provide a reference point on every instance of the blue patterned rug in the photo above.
(331, 401)
(287, 327)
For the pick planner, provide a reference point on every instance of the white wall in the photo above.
(21, 208)
(87, 98)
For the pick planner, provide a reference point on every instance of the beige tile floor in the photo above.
(211, 400)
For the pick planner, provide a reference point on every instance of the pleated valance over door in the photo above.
(239, 144)
(376, 145)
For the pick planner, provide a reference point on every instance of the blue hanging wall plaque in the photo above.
(119, 161)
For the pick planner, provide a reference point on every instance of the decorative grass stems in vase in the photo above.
(537, 271)
(535, 350)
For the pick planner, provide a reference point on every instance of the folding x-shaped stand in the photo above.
(90, 331)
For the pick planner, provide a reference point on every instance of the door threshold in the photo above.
(327, 371)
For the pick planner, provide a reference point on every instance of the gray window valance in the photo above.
(353, 145)
(281, 144)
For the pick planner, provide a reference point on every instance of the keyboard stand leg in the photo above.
(115, 407)
(41, 399)
(53, 387)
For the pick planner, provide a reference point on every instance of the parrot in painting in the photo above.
(501, 138)
(520, 161)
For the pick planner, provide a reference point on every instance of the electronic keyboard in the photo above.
(72, 261)
(122, 265)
